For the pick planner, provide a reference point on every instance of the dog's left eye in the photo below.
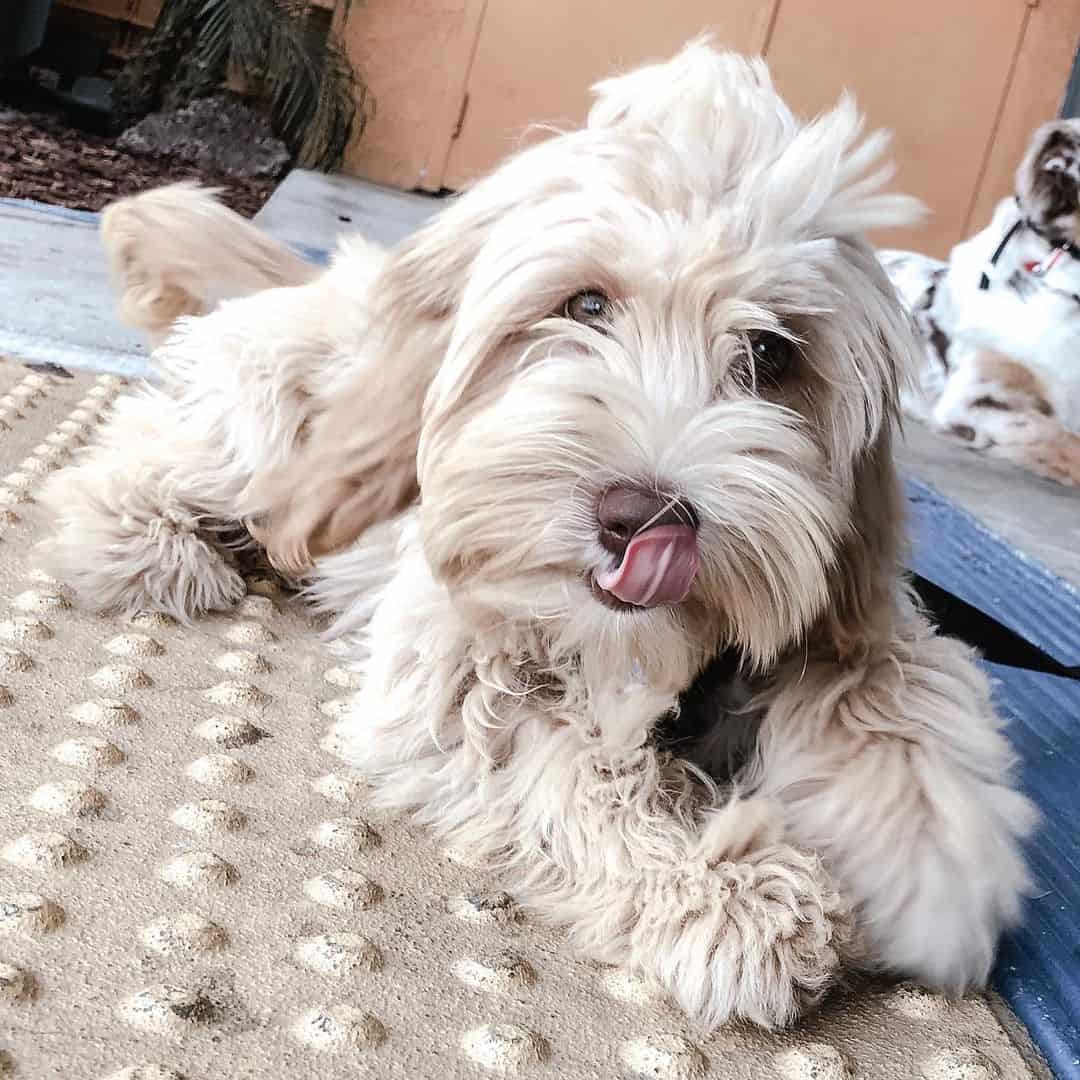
(773, 356)
(590, 307)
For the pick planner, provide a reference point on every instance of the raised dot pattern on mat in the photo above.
(218, 769)
(88, 752)
(345, 890)
(495, 972)
(339, 954)
(44, 851)
(229, 731)
(813, 1061)
(963, 1063)
(190, 876)
(16, 984)
(209, 816)
(339, 1027)
(167, 1009)
(667, 1057)
(340, 787)
(29, 913)
(199, 870)
(69, 798)
(504, 1047)
(186, 933)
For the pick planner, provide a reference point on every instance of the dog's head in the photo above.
(1048, 180)
(660, 414)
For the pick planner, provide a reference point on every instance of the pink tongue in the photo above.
(658, 567)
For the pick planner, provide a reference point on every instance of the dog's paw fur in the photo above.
(761, 939)
(145, 556)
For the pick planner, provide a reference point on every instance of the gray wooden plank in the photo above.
(1038, 517)
(56, 299)
(311, 211)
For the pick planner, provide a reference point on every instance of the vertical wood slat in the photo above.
(415, 57)
(530, 68)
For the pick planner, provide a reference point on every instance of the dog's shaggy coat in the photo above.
(676, 304)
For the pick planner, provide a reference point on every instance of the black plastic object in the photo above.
(996, 643)
(22, 27)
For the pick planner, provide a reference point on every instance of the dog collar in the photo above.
(1058, 248)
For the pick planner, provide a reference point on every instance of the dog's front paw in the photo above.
(124, 541)
(761, 939)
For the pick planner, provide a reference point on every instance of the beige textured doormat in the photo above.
(192, 887)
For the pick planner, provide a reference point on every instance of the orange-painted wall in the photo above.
(961, 82)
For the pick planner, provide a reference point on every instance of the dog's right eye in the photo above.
(590, 307)
(772, 355)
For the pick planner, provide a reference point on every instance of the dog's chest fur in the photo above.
(716, 726)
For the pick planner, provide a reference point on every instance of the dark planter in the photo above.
(22, 27)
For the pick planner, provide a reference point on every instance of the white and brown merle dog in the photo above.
(1001, 319)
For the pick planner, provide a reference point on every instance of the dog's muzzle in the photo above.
(654, 538)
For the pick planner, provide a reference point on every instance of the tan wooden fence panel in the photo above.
(416, 56)
(536, 59)
(934, 71)
(961, 82)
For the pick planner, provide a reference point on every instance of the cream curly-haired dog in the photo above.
(644, 380)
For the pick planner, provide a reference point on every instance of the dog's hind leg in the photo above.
(175, 249)
(1043, 448)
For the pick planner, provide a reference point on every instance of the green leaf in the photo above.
(317, 99)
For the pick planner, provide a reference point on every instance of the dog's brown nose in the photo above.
(626, 510)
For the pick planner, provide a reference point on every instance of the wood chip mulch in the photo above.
(44, 158)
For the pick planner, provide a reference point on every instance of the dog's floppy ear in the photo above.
(357, 467)
(1048, 179)
(860, 608)
(357, 463)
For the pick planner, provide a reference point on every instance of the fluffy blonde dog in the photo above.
(644, 380)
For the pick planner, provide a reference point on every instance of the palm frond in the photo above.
(316, 97)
